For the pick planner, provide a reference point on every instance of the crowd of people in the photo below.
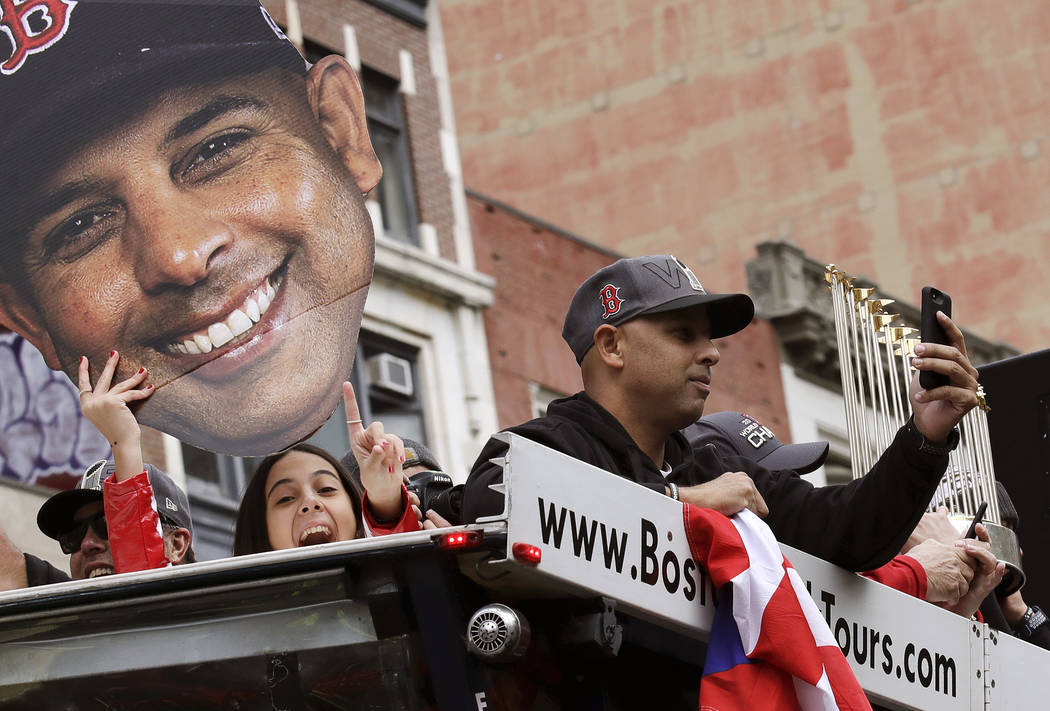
(642, 332)
(184, 235)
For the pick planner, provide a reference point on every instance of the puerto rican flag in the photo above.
(770, 647)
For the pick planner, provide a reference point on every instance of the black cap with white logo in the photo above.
(56, 515)
(66, 65)
(744, 436)
(647, 285)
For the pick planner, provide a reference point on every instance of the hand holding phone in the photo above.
(931, 331)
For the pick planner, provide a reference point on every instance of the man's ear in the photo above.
(608, 345)
(339, 107)
(22, 318)
(177, 545)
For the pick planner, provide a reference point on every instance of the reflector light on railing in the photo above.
(459, 539)
(527, 553)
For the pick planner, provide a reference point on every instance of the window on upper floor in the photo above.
(837, 468)
(384, 110)
(386, 125)
(540, 397)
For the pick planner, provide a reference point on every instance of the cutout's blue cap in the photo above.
(63, 60)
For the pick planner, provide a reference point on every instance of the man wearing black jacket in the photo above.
(641, 331)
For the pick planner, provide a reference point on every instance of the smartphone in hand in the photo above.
(930, 331)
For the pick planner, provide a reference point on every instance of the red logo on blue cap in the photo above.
(32, 26)
(610, 296)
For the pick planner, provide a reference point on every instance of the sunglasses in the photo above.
(71, 539)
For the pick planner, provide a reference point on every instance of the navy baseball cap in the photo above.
(743, 435)
(63, 61)
(637, 286)
(56, 515)
(1007, 510)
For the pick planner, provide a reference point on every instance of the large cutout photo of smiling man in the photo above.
(178, 185)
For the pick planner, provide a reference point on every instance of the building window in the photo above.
(214, 484)
(837, 467)
(386, 126)
(386, 380)
(540, 397)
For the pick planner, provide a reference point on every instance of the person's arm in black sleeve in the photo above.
(40, 572)
(479, 500)
(860, 525)
(19, 570)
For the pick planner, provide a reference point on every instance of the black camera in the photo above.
(437, 492)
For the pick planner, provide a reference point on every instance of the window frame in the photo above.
(391, 123)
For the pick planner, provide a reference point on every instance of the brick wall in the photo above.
(380, 36)
(537, 270)
(904, 140)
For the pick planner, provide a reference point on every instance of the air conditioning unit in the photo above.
(390, 372)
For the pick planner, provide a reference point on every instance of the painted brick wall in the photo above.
(905, 140)
(380, 36)
(537, 271)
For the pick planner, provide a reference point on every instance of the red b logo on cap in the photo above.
(611, 300)
(32, 26)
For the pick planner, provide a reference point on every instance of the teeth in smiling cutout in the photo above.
(98, 572)
(237, 322)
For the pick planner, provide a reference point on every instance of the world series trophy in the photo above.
(875, 355)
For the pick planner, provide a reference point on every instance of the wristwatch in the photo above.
(928, 447)
(1033, 617)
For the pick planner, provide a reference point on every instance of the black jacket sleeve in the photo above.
(479, 500)
(860, 525)
(40, 572)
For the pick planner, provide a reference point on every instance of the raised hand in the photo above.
(937, 411)
(379, 456)
(107, 409)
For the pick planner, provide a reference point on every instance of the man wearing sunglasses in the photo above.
(76, 519)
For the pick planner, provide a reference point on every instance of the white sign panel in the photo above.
(606, 534)
(901, 648)
(1018, 676)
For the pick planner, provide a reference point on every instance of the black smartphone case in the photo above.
(933, 300)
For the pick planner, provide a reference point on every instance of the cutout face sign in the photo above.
(178, 185)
